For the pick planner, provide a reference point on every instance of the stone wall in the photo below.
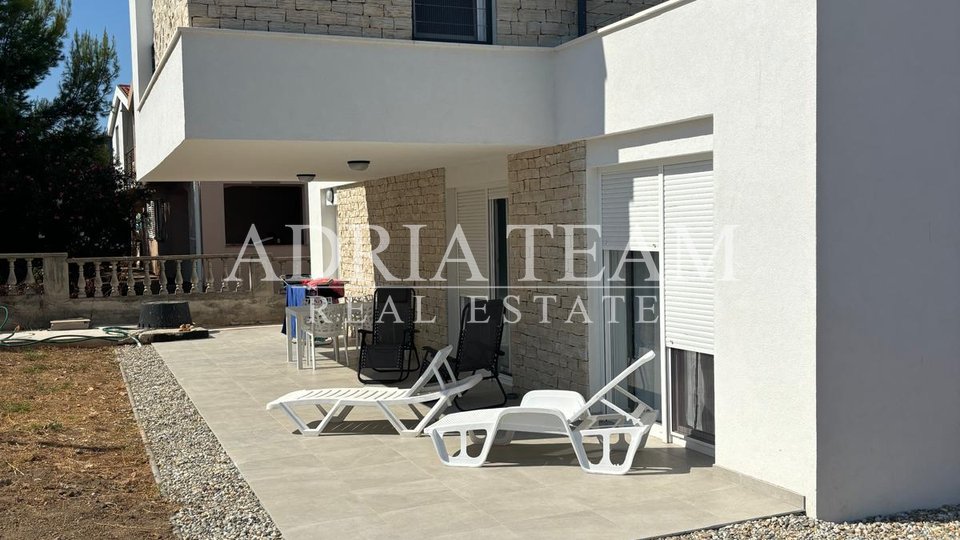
(168, 15)
(368, 18)
(392, 202)
(547, 187)
(601, 13)
(547, 23)
(543, 23)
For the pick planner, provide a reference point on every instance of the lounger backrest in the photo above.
(432, 371)
(601, 394)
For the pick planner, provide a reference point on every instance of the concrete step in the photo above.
(70, 324)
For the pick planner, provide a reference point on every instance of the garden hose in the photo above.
(113, 333)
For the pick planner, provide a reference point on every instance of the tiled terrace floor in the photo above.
(367, 482)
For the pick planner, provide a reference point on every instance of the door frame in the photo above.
(600, 363)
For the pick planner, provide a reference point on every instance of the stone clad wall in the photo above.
(168, 15)
(369, 18)
(392, 202)
(601, 13)
(547, 187)
(547, 23)
(543, 23)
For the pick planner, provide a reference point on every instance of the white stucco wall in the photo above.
(324, 249)
(283, 103)
(888, 264)
(751, 67)
(160, 128)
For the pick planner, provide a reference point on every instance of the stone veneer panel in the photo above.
(367, 18)
(392, 202)
(168, 15)
(547, 187)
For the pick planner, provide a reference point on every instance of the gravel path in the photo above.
(195, 472)
(940, 523)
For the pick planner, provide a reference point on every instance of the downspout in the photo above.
(581, 17)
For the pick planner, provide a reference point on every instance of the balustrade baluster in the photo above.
(131, 282)
(208, 275)
(163, 277)
(194, 278)
(115, 279)
(178, 280)
(147, 277)
(12, 276)
(97, 280)
(81, 283)
(28, 280)
(223, 273)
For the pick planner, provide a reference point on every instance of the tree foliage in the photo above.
(60, 189)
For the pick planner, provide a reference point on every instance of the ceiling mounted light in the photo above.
(358, 164)
(306, 177)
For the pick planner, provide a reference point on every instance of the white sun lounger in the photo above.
(553, 412)
(342, 400)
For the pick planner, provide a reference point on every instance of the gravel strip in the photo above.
(195, 472)
(938, 523)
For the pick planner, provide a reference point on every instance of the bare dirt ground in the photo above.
(72, 462)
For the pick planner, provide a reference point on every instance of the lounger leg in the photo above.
(425, 420)
(301, 425)
(327, 419)
(463, 459)
(606, 466)
(392, 418)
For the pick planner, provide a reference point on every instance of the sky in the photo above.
(95, 16)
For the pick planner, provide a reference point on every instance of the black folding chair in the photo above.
(478, 346)
(390, 347)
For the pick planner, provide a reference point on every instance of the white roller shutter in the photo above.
(472, 216)
(630, 210)
(688, 251)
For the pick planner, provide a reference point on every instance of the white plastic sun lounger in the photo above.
(342, 400)
(553, 412)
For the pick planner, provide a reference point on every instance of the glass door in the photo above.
(498, 268)
(632, 322)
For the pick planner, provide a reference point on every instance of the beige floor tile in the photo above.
(362, 480)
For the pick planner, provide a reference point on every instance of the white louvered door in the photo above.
(688, 273)
(630, 210)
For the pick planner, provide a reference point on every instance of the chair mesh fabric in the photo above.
(480, 336)
(393, 318)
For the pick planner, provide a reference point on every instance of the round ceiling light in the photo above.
(358, 164)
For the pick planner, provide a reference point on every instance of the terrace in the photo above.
(364, 480)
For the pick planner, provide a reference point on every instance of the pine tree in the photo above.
(60, 189)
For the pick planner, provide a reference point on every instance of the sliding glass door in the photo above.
(632, 317)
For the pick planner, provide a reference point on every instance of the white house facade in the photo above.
(789, 169)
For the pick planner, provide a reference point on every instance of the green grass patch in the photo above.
(33, 369)
(33, 355)
(55, 427)
(14, 407)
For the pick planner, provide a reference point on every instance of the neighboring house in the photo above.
(187, 217)
(815, 142)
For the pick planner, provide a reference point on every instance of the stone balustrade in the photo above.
(57, 275)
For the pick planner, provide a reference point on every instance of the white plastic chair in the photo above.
(342, 400)
(325, 321)
(358, 316)
(553, 412)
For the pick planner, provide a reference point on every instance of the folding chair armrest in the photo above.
(363, 333)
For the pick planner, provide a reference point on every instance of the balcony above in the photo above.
(241, 105)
